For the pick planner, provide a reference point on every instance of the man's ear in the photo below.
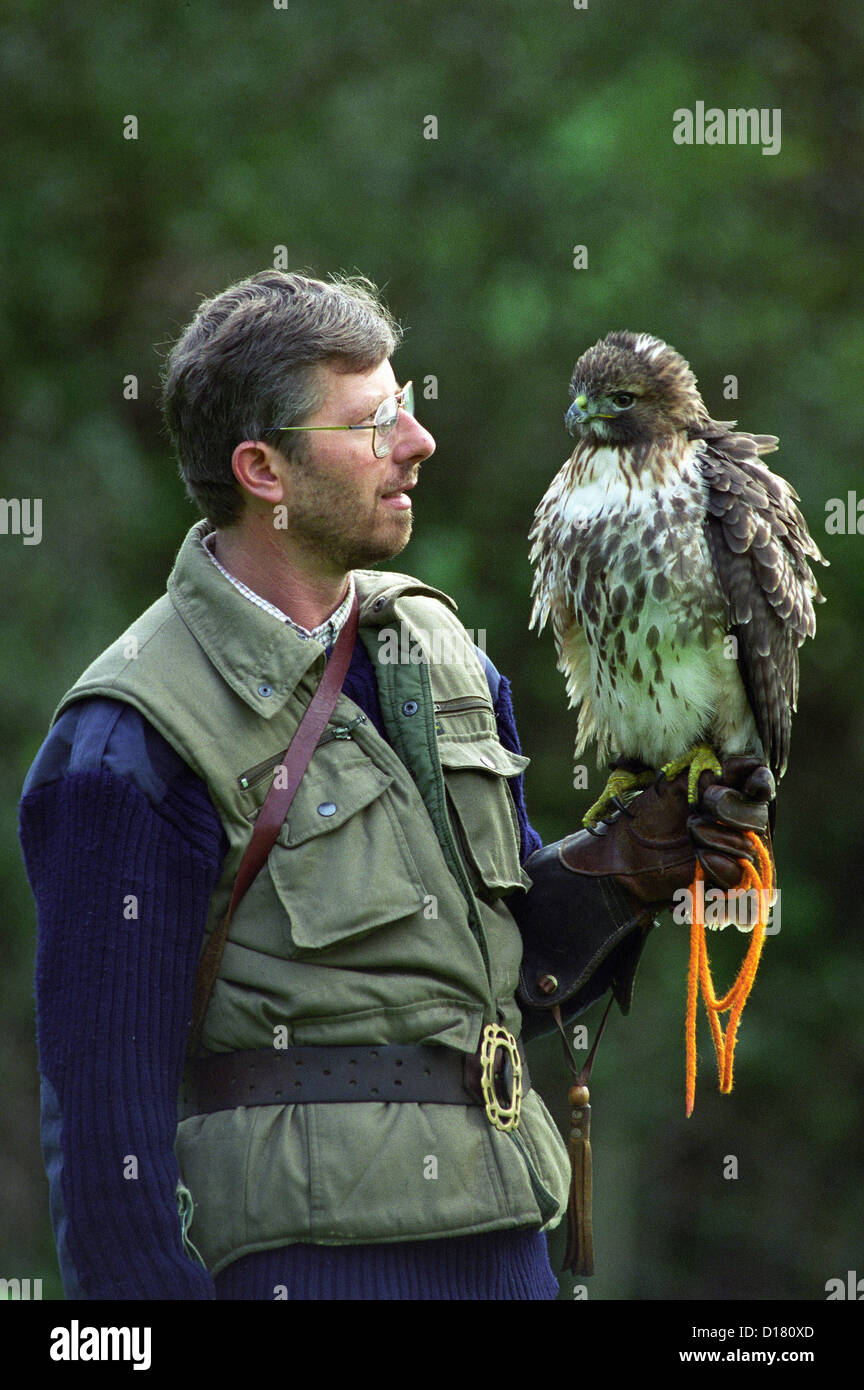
(258, 468)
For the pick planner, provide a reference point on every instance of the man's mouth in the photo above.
(398, 498)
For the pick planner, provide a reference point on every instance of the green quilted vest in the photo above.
(380, 916)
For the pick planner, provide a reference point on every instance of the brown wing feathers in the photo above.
(759, 544)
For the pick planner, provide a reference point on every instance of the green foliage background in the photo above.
(303, 127)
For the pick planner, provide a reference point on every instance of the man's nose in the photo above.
(412, 440)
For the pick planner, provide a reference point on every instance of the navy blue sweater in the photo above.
(123, 849)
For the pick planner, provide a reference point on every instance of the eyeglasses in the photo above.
(382, 427)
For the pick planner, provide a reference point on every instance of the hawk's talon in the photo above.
(698, 759)
(619, 783)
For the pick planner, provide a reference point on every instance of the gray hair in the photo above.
(247, 362)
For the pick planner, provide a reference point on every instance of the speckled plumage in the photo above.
(661, 539)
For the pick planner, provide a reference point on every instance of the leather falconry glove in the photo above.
(594, 894)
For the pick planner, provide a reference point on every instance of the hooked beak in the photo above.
(582, 410)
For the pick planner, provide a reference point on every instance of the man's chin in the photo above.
(385, 547)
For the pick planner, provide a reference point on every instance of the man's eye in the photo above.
(622, 400)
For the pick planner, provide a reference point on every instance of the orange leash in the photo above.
(699, 973)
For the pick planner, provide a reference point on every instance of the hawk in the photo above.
(663, 537)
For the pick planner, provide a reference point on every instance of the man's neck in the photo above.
(298, 590)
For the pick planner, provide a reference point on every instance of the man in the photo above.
(379, 933)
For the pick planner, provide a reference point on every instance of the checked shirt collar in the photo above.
(326, 633)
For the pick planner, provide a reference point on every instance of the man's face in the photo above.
(343, 503)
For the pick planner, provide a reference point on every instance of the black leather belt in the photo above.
(303, 1075)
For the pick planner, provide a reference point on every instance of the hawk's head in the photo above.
(630, 388)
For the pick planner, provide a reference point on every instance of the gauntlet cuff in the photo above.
(581, 936)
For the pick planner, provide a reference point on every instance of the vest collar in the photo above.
(260, 658)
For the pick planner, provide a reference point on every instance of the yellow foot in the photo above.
(619, 784)
(700, 758)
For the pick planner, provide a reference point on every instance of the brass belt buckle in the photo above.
(503, 1116)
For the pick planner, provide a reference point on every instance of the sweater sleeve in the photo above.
(123, 850)
(506, 720)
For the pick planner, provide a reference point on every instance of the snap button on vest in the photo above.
(327, 808)
(265, 690)
(410, 707)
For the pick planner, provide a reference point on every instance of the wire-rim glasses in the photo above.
(383, 425)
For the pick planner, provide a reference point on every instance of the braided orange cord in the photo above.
(699, 972)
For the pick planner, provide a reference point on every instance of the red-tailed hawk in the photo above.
(663, 537)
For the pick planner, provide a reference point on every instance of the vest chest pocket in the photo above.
(341, 865)
(483, 811)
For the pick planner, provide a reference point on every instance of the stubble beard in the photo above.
(324, 522)
(363, 552)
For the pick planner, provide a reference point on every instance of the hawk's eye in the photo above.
(622, 400)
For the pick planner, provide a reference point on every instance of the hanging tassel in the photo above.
(579, 1256)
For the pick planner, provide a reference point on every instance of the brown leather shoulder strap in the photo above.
(273, 813)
